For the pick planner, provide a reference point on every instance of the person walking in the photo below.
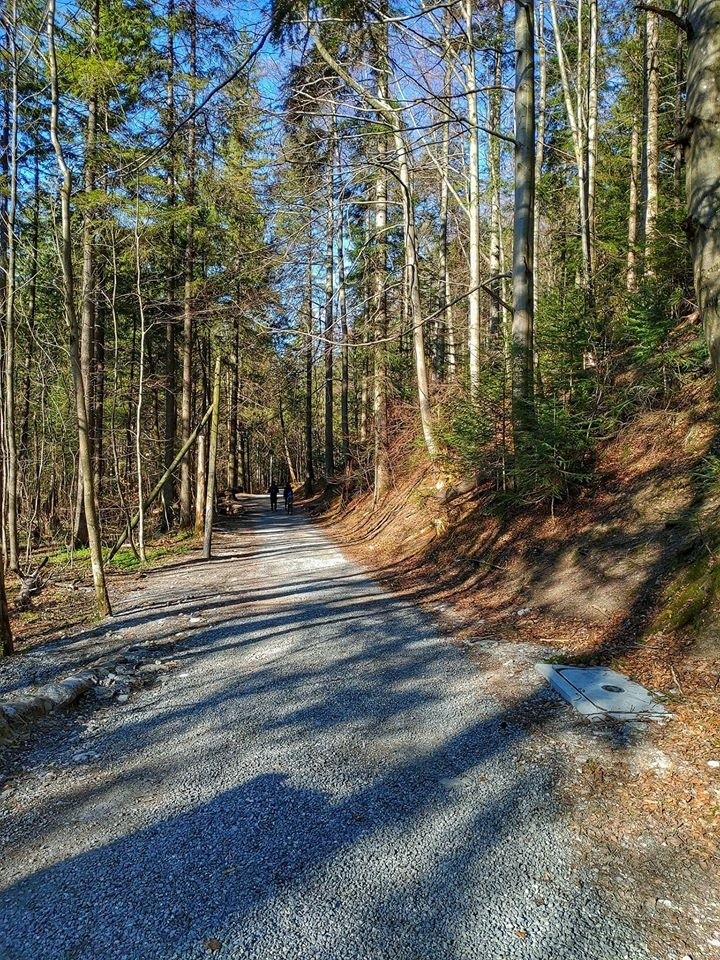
(289, 498)
(273, 491)
(287, 492)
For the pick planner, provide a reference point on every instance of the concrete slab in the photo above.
(602, 694)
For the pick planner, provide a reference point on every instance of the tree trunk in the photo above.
(286, 447)
(449, 359)
(579, 141)
(88, 287)
(540, 149)
(212, 464)
(522, 327)
(310, 469)
(345, 350)
(6, 638)
(592, 135)
(631, 283)
(186, 404)
(200, 485)
(168, 495)
(234, 407)
(11, 490)
(329, 327)
(379, 291)
(494, 163)
(140, 391)
(473, 207)
(85, 456)
(702, 158)
(652, 67)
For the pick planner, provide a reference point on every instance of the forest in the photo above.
(245, 242)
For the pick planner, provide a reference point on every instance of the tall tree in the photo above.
(522, 327)
(66, 262)
(702, 129)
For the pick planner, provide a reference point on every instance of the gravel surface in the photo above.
(317, 773)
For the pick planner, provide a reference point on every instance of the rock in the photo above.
(123, 698)
(713, 764)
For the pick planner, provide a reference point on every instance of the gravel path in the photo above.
(320, 774)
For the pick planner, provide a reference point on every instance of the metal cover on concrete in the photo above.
(598, 693)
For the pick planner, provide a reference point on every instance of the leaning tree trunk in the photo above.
(522, 327)
(702, 130)
(85, 455)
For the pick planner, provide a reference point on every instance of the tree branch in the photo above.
(680, 22)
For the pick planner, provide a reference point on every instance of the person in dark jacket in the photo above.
(289, 498)
(287, 492)
(273, 491)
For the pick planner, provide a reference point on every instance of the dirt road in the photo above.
(319, 774)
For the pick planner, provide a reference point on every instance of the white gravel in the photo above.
(319, 774)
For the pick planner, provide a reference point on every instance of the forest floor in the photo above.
(319, 768)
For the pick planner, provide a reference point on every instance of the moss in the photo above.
(688, 597)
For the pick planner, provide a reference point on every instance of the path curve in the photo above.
(320, 775)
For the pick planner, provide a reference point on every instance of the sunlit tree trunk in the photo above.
(651, 155)
(88, 282)
(577, 130)
(494, 162)
(379, 292)
(522, 327)
(592, 135)
(631, 274)
(448, 331)
(702, 130)
(473, 205)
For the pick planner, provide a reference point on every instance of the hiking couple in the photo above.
(288, 496)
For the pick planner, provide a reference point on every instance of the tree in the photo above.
(66, 262)
(522, 328)
(702, 130)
